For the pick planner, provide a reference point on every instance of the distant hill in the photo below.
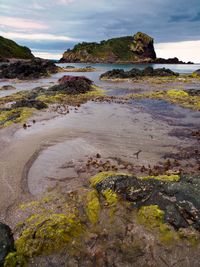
(137, 48)
(10, 49)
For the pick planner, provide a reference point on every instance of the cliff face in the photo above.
(137, 48)
(10, 49)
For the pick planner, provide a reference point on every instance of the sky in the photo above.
(49, 27)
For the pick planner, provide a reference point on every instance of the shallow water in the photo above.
(113, 130)
(101, 68)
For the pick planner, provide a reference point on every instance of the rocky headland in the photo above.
(129, 49)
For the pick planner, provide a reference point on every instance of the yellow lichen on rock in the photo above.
(151, 216)
(18, 115)
(101, 176)
(166, 178)
(93, 206)
(110, 196)
(177, 93)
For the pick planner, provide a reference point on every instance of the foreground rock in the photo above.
(136, 73)
(179, 200)
(6, 242)
(94, 226)
(33, 69)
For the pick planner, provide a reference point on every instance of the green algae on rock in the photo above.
(166, 178)
(178, 97)
(24, 103)
(66, 225)
(93, 206)
(18, 115)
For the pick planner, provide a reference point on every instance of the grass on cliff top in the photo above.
(10, 49)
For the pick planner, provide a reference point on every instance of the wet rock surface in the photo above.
(32, 69)
(30, 103)
(6, 242)
(179, 200)
(136, 73)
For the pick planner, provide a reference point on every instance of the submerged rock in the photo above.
(135, 73)
(179, 200)
(32, 69)
(6, 242)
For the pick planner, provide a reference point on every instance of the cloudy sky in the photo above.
(49, 27)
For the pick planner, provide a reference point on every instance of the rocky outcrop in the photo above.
(174, 60)
(32, 69)
(136, 73)
(9, 49)
(137, 48)
(179, 200)
(6, 242)
(72, 85)
(129, 49)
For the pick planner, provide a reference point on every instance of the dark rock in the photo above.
(7, 87)
(30, 103)
(67, 78)
(72, 85)
(193, 92)
(6, 242)
(135, 73)
(180, 200)
(32, 69)
(197, 72)
(174, 60)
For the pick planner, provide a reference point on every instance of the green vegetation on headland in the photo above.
(117, 213)
(138, 48)
(125, 49)
(10, 49)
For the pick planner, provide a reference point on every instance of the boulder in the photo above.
(71, 85)
(179, 200)
(6, 242)
(197, 72)
(67, 78)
